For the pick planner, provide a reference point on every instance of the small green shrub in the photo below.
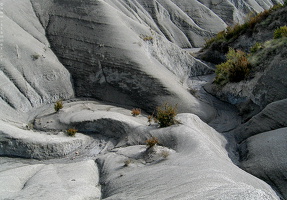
(35, 56)
(72, 132)
(136, 111)
(58, 105)
(127, 162)
(235, 69)
(165, 115)
(151, 142)
(280, 32)
(256, 47)
(146, 38)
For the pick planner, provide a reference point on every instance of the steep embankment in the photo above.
(31, 74)
(109, 48)
(261, 97)
(115, 41)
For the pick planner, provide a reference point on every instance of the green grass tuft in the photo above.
(280, 32)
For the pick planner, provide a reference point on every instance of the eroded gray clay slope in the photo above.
(190, 163)
(105, 47)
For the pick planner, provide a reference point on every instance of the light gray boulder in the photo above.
(264, 156)
(77, 180)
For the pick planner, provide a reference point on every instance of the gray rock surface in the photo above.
(261, 101)
(264, 155)
(18, 142)
(267, 85)
(31, 75)
(112, 42)
(272, 117)
(116, 53)
(189, 155)
(19, 180)
(197, 158)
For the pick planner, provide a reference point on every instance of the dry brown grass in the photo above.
(72, 132)
(136, 111)
(151, 142)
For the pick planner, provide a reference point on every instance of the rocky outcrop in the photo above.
(108, 41)
(262, 141)
(264, 156)
(273, 117)
(261, 101)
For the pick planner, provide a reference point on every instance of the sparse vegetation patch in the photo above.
(72, 132)
(256, 47)
(151, 142)
(165, 154)
(147, 38)
(235, 69)
(233, 32)
(58, 105)
(280, 32)
(136, 111)
(165, 115)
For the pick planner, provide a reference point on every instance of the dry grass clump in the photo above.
(72, 132)
(235, 69)
(151, 142)
(58, 105)
(165, 115)
(136, 111)
(147, 38)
